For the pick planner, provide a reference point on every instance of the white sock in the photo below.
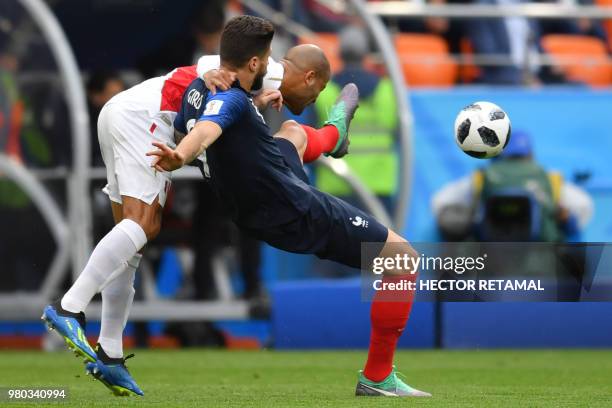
(111, 253)
(117, 297)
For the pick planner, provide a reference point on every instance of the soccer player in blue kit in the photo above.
(261, 182)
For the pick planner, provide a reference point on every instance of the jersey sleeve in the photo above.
(274, 77)
(191, 106)
(207, 63)
(179, 123)
(225, 108)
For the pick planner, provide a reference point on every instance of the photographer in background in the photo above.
(512, 199)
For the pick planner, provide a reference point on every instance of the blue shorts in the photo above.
(330, 228)
(292, 158)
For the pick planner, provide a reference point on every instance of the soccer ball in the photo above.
(482, 130)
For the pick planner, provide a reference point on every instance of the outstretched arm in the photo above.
(203, 134)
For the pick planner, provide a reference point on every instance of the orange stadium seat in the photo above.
(592, 66)
(425, 60)
(330, 44)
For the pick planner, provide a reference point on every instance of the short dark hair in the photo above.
(243, 38)
(99, 79)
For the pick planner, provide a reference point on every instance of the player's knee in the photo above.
(149, 226)
(408, 255)
(145, 215)
(397, 246)
(290, 125)
(294, 132)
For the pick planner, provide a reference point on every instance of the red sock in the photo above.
(319, 141)
(388, 315)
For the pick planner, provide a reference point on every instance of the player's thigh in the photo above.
(356, 237)
(117, 210)
(132, 135)
(334, 230)
(108, 116)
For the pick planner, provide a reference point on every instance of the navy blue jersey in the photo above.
(261, 182)
(192, 106)
(247, 169)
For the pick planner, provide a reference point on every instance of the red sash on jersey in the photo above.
(174, 87)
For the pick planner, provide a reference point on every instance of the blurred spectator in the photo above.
(316, 15)
(202, 38)
(373, 157)
(581, 26)
(101, 87)
(519, 38)
(512, 199)
(513, 36)
(450, 29)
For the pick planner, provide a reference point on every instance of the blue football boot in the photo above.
(113, 373)
(71, 326)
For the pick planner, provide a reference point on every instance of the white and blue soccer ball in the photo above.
(482, 130)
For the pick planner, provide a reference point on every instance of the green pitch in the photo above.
(535, 378)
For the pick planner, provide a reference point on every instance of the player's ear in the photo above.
(254, 64)
(310, 78)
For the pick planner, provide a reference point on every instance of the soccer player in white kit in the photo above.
(127, 126)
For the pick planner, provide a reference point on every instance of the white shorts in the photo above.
(125, 136)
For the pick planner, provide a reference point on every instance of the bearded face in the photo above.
(258, 81)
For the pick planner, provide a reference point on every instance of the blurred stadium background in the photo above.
(547, 63)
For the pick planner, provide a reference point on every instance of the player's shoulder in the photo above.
(198, 85)
(194, 95)
(235, 92)
(234, 96)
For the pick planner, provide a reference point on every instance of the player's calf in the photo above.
(389, 314)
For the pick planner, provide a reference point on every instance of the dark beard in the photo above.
(257, 83)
